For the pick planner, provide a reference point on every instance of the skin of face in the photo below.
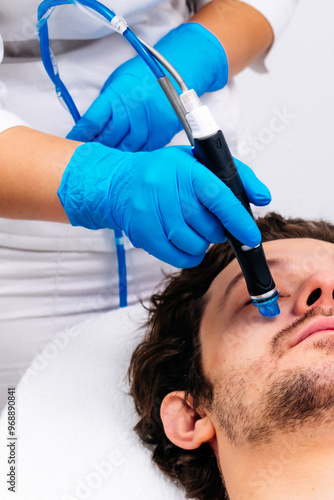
(271, 421)
(252, 360)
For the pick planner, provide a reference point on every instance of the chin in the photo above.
(315, 351)
(304, 393)
(324, 344)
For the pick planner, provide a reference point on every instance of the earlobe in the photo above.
(182, 425)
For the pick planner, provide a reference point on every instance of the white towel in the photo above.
(74, 420)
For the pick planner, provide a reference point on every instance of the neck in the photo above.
(290, 467)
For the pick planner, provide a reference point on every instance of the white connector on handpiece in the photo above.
(190, 100)
(199, 117)
(119, 24)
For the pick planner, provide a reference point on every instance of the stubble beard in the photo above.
(299, 399)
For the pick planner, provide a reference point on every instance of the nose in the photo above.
(316, 291)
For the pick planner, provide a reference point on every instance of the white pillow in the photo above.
(74, 420)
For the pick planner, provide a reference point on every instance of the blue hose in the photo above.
(64, 95)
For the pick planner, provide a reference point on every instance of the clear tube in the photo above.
(45, 17)
(92, 13)
(99, 11)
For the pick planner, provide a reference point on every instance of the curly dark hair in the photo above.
(169, 357)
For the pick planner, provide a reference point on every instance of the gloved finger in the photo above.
(92, 122)
(151, 128)
(120, 131)
(137, 135)
(256, 191)
(203, 222)
(186, 222)
(100, 116)
(186, 239)
(164, 250)
(194, 213)
(220, 200)
(199, 217)
(166, 215)
(161, 137)
(186, 149)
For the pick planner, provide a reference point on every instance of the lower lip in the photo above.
(320, 332)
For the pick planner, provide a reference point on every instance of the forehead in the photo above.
(290, 255)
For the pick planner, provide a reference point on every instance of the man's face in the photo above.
(274, 374)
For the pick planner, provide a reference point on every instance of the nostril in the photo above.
(314, 296)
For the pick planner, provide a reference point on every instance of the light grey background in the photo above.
(294, 156)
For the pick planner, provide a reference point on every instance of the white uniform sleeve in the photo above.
(277, 12)
(7, 119)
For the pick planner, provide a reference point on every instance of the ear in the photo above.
(183, 426)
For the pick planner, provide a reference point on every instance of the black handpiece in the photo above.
(214, 153)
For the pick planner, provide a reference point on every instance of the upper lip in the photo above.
(318, 325)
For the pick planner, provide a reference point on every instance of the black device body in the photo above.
(214, 153)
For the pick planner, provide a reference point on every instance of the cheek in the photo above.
(242, 343)
(248, 330)
(241, 385)
(246, 339)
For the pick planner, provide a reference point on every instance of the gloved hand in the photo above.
(166, 202)
(132, 113)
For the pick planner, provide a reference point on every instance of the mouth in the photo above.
(319, 326)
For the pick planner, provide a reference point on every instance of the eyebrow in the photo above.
(272, 263)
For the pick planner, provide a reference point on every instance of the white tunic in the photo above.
(53, 275)
(86, 55)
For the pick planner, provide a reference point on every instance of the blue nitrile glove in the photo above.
(159, 200)
(132, 113)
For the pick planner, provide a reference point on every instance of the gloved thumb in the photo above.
(256, 191)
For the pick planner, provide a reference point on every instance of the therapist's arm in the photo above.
(31, 167)
(242, 30)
